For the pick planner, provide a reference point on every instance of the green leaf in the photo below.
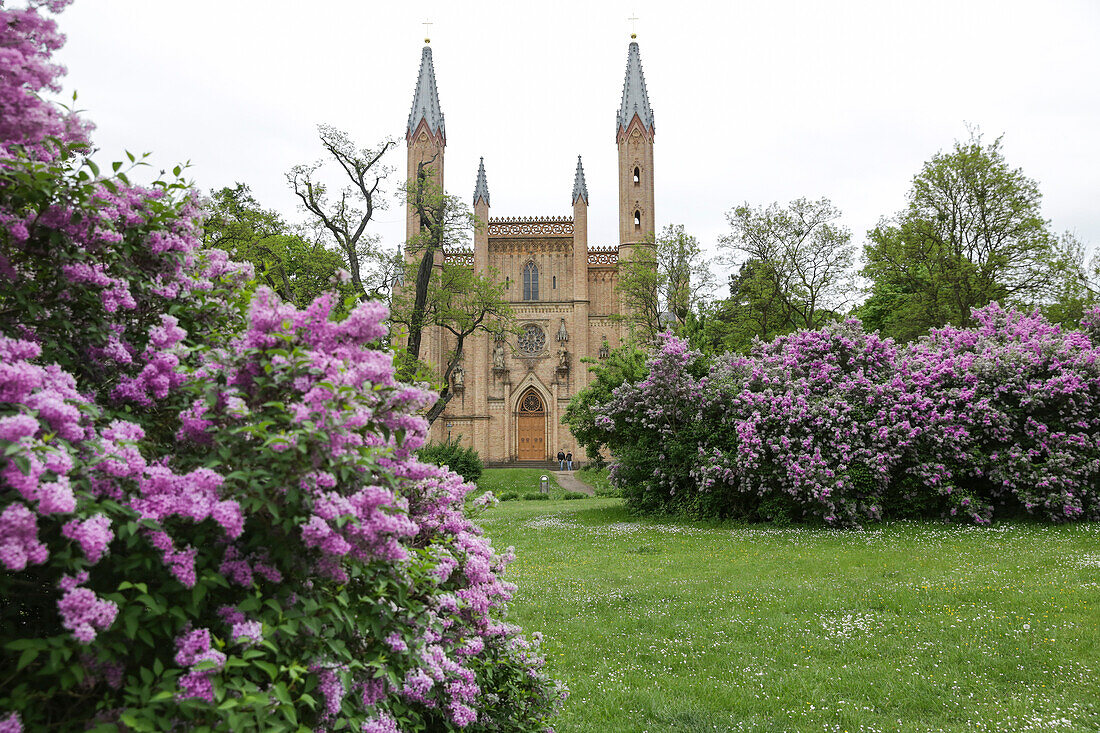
(271, 669)
(26, 658)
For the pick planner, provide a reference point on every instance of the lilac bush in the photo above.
(210, 510)
(845, 427)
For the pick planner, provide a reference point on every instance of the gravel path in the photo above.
(569, 482)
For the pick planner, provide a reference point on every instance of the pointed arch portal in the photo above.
(531, 427)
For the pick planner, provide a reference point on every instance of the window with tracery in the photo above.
(532, 340)
(531, 402)
(530, 282)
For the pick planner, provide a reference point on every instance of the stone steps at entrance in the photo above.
(541, 465)
(547, 465)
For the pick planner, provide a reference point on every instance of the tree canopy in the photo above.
(297, 269)
(972, 233)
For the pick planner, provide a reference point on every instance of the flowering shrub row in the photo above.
(846, 427)
(210, 511)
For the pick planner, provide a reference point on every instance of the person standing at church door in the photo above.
(561, 460)
(569, 460)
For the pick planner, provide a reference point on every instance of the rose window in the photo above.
(531, 340)
(531, 403)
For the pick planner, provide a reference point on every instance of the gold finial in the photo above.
(427, 30)
(633, 25)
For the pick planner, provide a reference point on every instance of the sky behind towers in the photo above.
(754, 101)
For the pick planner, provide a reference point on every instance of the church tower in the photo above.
(426, 135)
(634, 135)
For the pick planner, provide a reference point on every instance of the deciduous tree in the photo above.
(461, 302)
(799, 262)
(444, 222)
(972, 232)
(346, 215)
(671, 275)
(297, 269)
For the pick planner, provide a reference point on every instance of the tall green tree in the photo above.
(753, 310)
(445, 221)
(296, 268)
(672, 275)
(1076, 282)
(972, 232)
(796, 264)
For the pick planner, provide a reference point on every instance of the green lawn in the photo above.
(519, 480)
(677, 626)
(598, 479)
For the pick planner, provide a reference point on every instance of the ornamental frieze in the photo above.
(603, 255)
(545, 226)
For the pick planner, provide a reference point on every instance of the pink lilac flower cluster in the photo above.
(12, 723)
(82, 612)
(193, 650)
(28, 38)
(845, 426)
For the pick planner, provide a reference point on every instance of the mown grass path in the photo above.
(911, 627)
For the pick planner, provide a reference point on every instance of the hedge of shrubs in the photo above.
(464, 461)
(211, 515)
(845, 427)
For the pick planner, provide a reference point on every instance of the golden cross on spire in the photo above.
(633, 25)
(427, 30)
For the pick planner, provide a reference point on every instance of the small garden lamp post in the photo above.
(544, 484)
(449, 425)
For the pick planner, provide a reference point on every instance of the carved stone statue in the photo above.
(498, 355)
(458, 377)
(563, 359)
(605, 349)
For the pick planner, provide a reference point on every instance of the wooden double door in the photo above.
(531, 427)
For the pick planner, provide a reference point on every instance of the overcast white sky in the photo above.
(756, 101)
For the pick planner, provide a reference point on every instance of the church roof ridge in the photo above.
(425, 104)
(635, 99)
(481, 188)
(580, 190)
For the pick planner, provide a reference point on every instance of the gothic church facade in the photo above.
(511, 392)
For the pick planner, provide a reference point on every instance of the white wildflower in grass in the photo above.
(849, 625)
(1088, 561)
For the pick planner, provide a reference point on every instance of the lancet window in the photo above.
(530, 282)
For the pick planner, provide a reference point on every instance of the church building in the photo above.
(510, 392)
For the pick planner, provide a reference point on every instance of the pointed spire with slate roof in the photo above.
(481, 188)
(425, 105)
(635, 99)
(580, 190)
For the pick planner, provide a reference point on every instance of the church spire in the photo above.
(425, 105)
(580, 190)
(481, 188)
(635, 98)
